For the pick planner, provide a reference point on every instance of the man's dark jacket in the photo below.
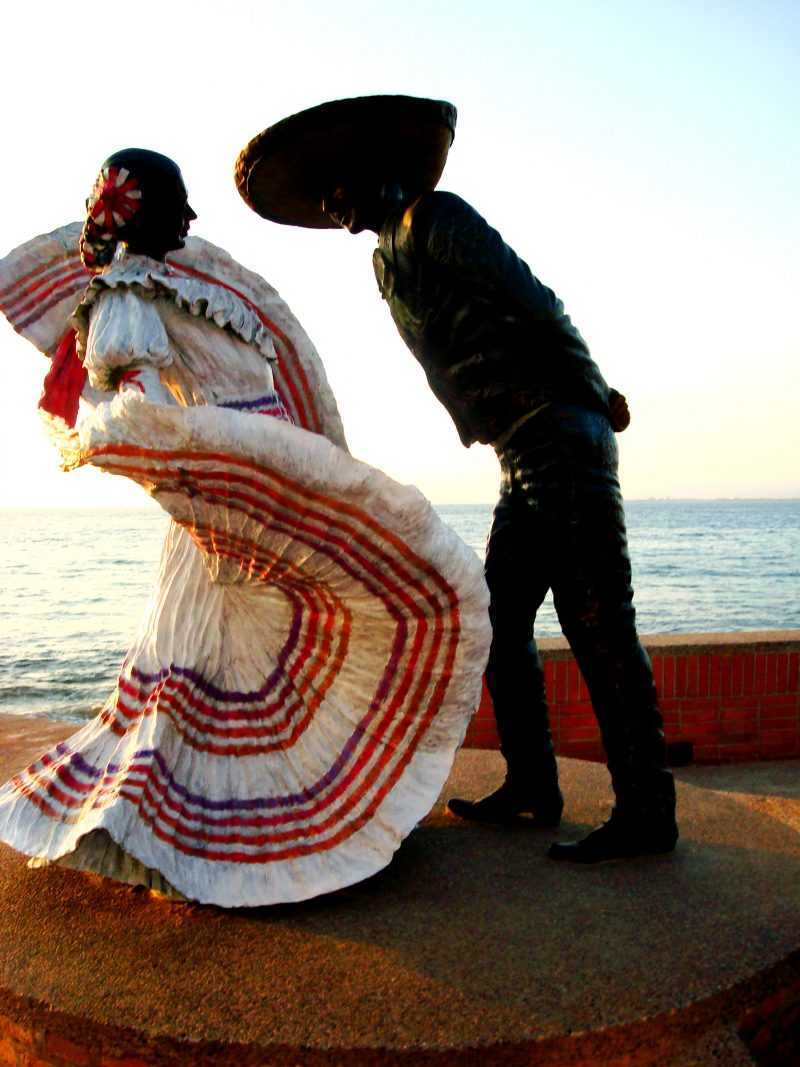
(494, 342)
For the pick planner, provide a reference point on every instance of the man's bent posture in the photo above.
(513, 372)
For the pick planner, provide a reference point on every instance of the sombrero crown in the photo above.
(284, 172)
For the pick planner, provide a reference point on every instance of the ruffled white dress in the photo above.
(292, 703)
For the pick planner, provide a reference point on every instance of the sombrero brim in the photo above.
(284, 172)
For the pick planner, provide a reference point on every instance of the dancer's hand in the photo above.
(145, 380)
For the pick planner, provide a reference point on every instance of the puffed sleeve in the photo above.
(125, 332)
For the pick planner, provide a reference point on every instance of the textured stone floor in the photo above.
(471, 939)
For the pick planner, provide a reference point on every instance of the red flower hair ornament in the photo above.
(114, 200)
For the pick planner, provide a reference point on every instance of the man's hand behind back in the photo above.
(618, 410)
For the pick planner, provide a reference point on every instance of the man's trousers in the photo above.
(560, 525)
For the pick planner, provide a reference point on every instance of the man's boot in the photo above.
(642, 824)
(528, 792)
(507, 804)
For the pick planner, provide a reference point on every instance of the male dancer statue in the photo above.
(513, 372)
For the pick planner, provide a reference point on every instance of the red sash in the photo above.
(64, 382)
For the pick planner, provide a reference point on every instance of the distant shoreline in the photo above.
(436, 504)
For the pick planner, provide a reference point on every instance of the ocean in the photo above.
(74, 583)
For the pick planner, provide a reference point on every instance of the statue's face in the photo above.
(166, 231)
(356, 208)
(169, 228)
(186, 218)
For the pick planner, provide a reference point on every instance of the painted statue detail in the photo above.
(292, 702)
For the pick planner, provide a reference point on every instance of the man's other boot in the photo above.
(510, 802)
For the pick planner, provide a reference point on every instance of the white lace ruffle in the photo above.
(153, 279)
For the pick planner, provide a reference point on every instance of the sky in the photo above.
(642, 157)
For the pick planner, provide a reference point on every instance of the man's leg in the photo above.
(517, 587)
(593, 596)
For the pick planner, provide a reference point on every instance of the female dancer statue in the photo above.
(293, 700)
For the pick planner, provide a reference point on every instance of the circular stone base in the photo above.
(470, 940)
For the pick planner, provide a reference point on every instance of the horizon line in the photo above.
(441, 504)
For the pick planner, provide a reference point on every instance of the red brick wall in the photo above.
(734, 696)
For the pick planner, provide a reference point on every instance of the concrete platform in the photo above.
(472, 947)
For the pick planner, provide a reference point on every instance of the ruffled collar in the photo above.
(196, 295)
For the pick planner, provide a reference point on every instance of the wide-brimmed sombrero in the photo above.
(284, 172)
